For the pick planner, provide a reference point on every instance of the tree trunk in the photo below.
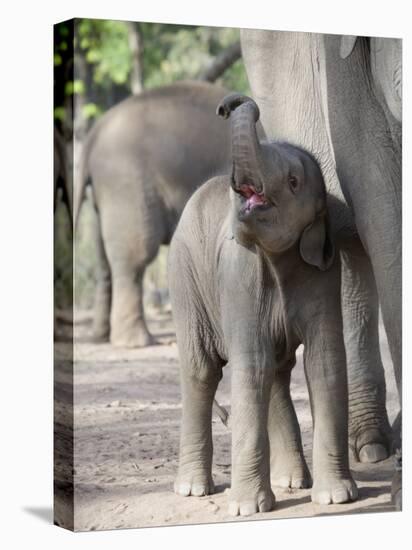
(136, 49)
(221, 63)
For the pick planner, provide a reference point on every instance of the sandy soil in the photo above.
(126, 418)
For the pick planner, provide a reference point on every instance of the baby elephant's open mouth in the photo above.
(251, 198)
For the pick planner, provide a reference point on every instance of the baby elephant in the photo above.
(253, 275)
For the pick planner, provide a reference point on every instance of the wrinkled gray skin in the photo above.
(253, 274)
(350, 121)
(145, 158)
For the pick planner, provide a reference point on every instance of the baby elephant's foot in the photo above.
(194, 483)
(290, 472)
(246, 504)
(334, 490)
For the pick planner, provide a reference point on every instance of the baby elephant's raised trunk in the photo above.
(245, 144)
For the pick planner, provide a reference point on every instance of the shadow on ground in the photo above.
(43, 513)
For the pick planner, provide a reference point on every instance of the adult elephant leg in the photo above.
(103, 293)
(368, 162)
(288, 467)
(387, 267)
(369, 429)
(128, 324)
(132, 239)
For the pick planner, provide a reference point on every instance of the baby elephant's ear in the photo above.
(316, 246)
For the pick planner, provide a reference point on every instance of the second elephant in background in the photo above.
(145, 158)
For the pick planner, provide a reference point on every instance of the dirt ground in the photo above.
(126, 418)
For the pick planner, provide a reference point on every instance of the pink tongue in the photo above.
(254, 199)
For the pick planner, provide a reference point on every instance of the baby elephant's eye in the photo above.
(293, 183)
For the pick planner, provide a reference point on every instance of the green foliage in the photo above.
(106, 46)
(100, 75)
(170, 53)
(176, 52)
(74, 87)
(91, 110)
(59, 114)
(235, 78)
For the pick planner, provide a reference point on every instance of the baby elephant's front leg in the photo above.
(250, 490)
(325, 368)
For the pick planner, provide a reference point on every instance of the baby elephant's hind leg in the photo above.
(200, 373)
(288, 467)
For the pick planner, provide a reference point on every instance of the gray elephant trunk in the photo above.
(246, 155)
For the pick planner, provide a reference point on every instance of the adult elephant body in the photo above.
(145, 158)
(339, 97)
